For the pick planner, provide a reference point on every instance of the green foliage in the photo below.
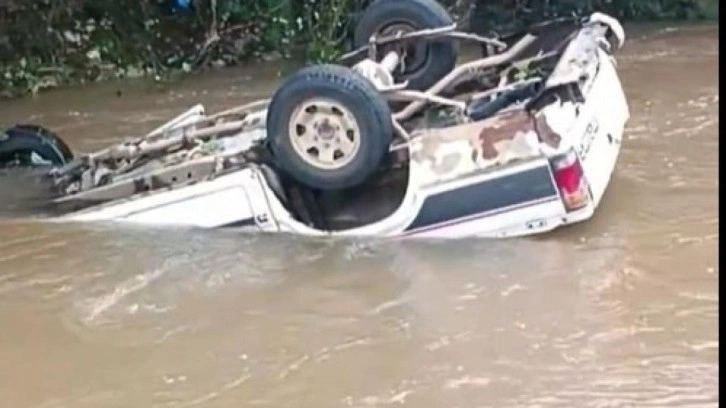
(48, 43)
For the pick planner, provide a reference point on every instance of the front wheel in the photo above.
(328, 127)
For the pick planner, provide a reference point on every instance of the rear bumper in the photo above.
(545, 224)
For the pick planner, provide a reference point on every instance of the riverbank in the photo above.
(163, 45)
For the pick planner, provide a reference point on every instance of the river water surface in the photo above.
(621, 311)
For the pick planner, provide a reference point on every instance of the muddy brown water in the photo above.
(621, 311)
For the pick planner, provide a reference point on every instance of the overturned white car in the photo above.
(396, 140)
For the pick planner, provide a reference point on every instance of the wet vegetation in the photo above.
(50, 43)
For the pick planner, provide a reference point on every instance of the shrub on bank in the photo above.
(48, 43)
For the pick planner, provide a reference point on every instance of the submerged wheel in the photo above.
(328, 127)
(425, 62)
(31, 146)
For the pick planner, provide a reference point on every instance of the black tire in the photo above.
(355, 94)
(431, 60)
(20, 141)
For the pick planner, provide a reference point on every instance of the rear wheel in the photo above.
(328, 127)
(425, 62)
(32, 146)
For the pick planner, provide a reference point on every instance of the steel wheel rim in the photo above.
(324, 133)
(415, 55)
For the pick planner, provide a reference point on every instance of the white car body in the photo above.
(504, 199)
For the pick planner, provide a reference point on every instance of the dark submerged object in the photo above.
(32, 146)
(27, 154)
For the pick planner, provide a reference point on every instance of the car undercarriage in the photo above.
(333, 129)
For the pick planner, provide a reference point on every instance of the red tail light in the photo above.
(570, 180)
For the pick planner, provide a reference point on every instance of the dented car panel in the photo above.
(456, 151)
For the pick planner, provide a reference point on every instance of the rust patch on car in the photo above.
(545, 132)
(501, 128)
(470, 146)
